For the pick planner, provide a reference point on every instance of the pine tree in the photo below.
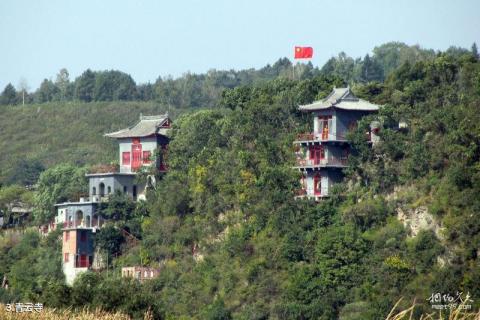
(85, 86)
(9, 95)
(475, 51)
(371, 70)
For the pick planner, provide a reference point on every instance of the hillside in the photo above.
(231, 240)
(58, 132)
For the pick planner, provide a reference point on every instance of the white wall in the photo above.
(125, 145)
(70, 272)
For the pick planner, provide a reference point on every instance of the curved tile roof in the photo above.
(341, 98)
(147, 126)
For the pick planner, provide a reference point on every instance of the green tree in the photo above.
(48, 91)
(42, 258)
(62, 82)
(85, 86)
(109, 240)
(119, 207)
(114, 85)
(61, 183)
(25, 172)
(9, 95)
(370, 70)
(341, 66)
(475, 51)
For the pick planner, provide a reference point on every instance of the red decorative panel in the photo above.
(126, 158)
(136, 156)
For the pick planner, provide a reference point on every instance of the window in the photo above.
(109, 190)
(146, 156)
(83, 236)
(126, 158)
(67, 235)
(94, 191)
(65, 257)
(125, 189)
(101, 189)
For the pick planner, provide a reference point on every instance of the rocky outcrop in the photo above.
(417, 219)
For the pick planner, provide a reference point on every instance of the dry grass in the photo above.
(67, 314)
(455, 314)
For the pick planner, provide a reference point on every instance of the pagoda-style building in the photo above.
(322, 154)
(138, 147)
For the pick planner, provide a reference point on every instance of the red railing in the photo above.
(305, 136)
(321, 137)
(322, 162)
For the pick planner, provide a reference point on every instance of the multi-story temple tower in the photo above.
(322, 154)
(138, 146)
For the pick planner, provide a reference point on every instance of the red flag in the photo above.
(303, 52)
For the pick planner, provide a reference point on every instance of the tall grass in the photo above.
(67, 314)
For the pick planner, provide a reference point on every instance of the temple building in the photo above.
(322, 154)
(141, 145)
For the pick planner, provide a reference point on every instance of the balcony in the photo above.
(322, 163)
(303, 194)
(311, 138)
(317, 137)
(82, 224)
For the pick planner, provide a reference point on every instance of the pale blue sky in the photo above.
(151, 38)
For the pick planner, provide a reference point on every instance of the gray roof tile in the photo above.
(147, 126)
(341, 98)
